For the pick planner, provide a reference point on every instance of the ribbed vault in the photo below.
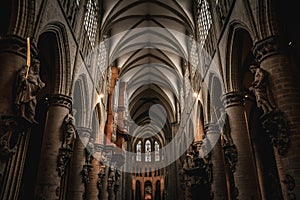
(148, 43)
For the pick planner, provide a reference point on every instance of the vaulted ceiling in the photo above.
(149, 43)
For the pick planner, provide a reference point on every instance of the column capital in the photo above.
(17, 45)
(267, 47)
(84, 131)
(233, 99)
(59, 100)
(99, 147)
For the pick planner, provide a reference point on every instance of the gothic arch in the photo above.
(95, 124)
(205, 94)
(217, 90)
(199, 122)
(63, 68)
(80, 101)
(240, 42)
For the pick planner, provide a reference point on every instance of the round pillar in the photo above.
(218, 186)
(48, 179)
(245, 176)
(76, 189)
(272, 58)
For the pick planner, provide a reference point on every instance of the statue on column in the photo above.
(101, 177)
(69, 132)
(111, 181)
(272, 119)
(89, 151)
(9, 126)
(261, 90)
(28, 84)
(230, 150)
(66, 150)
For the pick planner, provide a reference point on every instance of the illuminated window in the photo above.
(139, 151)
(156, 149)
(194, 56)
(148, 151)
(90, 20)
(102, 58)
(204, 20)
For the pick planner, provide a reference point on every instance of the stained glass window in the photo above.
(156, 148)
(139, 151)
(148, 151)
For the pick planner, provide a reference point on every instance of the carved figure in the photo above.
(89, 151)
(27, 89)
(69, 132)
(260, 88)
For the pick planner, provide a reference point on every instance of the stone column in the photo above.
(94, 188)
(245, 175)
(108, 151)
(48, 180)
(92, 191)
(12, 159)
(76, 188)
(219, 179)
(272, 58)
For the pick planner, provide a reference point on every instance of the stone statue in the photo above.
(101, 177)
(261, 90)
(69, 132)
(111, 180)
(230, 150)
(89, 151)
(63, 159)
(85, 173)
(225, 130)
(9, 126)
(26, 91)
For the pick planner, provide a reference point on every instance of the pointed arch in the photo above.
(80, 101)
(62, 66)
(240, 42)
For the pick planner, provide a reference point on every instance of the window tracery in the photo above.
(90, 20)
(139, 151)
(148, 151)
(204, 20)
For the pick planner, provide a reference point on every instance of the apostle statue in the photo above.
(261, 90)
(69, 132)
(28, 84)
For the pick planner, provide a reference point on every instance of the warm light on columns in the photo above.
(196, 95)
(100, 96)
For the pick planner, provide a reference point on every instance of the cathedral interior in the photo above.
(149, 99)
